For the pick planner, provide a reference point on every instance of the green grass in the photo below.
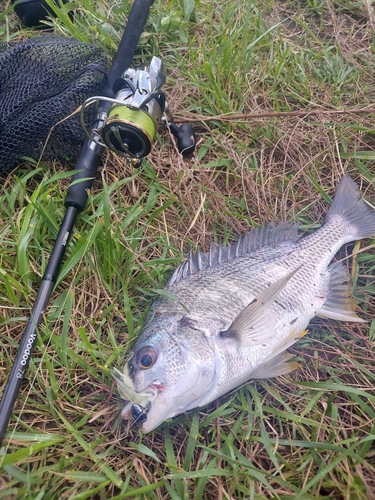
(309, 435)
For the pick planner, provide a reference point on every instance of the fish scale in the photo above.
(231, 313)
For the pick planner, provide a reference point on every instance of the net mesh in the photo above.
(42, 81)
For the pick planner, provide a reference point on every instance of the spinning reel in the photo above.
(134, 115)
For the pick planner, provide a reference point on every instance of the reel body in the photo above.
(139, 107)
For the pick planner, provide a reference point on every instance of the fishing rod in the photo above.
(129, 110)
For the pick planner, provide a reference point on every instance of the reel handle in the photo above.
(185, 136)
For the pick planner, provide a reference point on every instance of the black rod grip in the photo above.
(87, 166)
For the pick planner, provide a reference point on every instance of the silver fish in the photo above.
(232, 312)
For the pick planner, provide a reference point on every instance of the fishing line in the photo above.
(52, 129)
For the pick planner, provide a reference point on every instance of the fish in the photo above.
(229, 315)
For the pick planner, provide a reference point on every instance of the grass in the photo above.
(309, 435)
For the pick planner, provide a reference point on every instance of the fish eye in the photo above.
(146, 357)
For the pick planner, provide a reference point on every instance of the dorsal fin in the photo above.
(267, 236)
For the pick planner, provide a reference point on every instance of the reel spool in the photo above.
(139, 107)
(128, 132)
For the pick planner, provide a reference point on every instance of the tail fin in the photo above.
(349, 205)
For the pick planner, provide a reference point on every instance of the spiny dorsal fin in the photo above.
(266, 236)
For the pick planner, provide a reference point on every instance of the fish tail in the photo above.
(350, 207)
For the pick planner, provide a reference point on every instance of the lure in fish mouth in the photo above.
(230, 314)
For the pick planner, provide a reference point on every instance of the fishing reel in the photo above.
(135, 113)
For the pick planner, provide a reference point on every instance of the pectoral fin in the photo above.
(255, 325)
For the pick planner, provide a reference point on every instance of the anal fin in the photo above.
(275, 367)
(340, 303)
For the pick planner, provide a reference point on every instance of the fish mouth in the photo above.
(139, 412)
(154, 404)
(139, 402)
(155, 413)
(146, 408)
(127, 391)
(169, 402)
